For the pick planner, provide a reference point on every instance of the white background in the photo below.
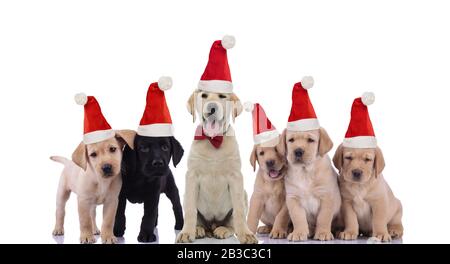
(50, 50)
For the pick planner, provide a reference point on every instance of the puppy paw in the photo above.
(382, 236)
(109, 239)
(179, 225)
(298, 235)
(396, 231)
(348, 235)
(200, 232)
(118, 230)
(323, 235)
(87, 238)
(146, 237)
(247, 238)
(58, 231)
(185, 237)
(222, 232)
(263, 230)
(278, 233)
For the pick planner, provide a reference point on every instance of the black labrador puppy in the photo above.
(145, 175)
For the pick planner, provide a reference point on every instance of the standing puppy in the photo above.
(268, 201)
(93, 174)
(312, 192)
(146, 171)
(215, 201)
(368, 203)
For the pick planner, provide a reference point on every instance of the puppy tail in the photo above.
(60, 159)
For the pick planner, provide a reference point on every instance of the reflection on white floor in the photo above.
(263, 239)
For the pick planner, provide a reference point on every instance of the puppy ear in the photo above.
(128, 166)
(379, 162)
(79, 156)
(237, 106)
(325, 143)
(191, 105)
(253, 158)
(177, 151)
(281, 146)
(338, 158)
(127, 136)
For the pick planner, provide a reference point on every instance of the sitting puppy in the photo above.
(312, 192)
(368, 203)
(93, 174)
(268, 201)
(215, 201)
(146, 173)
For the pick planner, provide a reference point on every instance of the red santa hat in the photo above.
(96, 128)
(302, 117)
(156, 120)
(263, 130)
(360, 132)
(217, 76)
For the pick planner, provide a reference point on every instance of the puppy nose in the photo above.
(107, 169)
(299, 152)
(270, 163)
(357, 174)
(212, 108)
(157, 163)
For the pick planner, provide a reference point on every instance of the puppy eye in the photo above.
(367, 160)
(348, 158)
(165, 147)
(93, 154)
(261, 153)
(291, 140)
(204, 95)
(144, 149)
(310, 140)
(221, 96)
(112, 149)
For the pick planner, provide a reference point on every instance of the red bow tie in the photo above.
(200, 135)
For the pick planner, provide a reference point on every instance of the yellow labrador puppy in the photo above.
(312, 192)
(268, 201)
(215, 201)
(368, 203)
(94, 175)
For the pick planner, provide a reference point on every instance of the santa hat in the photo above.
(156, 121)
(217, 76)
(302, 117)
(96, 128)
(360, 132)
(263, 130)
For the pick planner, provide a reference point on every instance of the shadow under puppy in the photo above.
(268, 201)
(312, 192)
(146, 173)
(368, 203)
(93, 174)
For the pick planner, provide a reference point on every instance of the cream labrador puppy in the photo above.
(312, 192)
(94, 175)
(215, 201)
(268, 201)
(368, 203)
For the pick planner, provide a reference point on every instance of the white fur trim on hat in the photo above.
(165, 83)
(81, 98)
(265, 136)
(156, 130)
(228, 42)
(303, 124)
(368, 98)
(248, 106)
(307, 82)
(216, 86)
(98, 136)
(360, 142)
